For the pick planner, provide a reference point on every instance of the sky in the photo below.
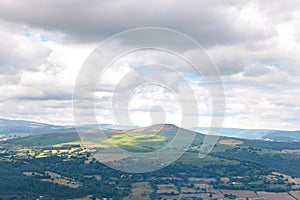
(254, 44)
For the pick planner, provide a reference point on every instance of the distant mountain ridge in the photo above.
(8, 126)
(259, 134)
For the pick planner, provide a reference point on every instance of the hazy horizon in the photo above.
(192, 128)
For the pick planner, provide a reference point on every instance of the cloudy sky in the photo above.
(255, 44)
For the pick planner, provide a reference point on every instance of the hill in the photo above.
(25, 128)
(263, 134)
(72, 168)
(21, 126)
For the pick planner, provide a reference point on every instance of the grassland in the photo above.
(231, 142)
(275, 196)
(140, 190)
(137, 140)
(45, 139)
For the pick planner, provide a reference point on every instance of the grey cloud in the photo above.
(209, 22)
(257, 70)
(230, 59)
(33, 93)
(9, 79)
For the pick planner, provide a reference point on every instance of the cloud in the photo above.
(255, 45)
(19, 50)
(209, 22)
(268, 76)
(50, 111)
(258, 70)
(264, 108)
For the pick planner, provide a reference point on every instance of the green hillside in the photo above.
(45, 140)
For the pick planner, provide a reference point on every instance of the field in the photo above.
(140, 190)
(46, 139)
(296, 181)
(231, 142)
(167, 189)
(295, 194)
(133, 140)
(55, 178)
(206, 180)
(106, 157)
(137, 141)
(291, 151)
(275, 196)
(240, 193)
(225, 179)
(88, 145)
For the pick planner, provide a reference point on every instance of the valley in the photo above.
(62, 165)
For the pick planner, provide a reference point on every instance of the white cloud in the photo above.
(19, 50)
(262, 74)
(255, 45)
